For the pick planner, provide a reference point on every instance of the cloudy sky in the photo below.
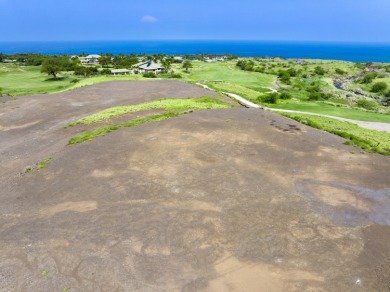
(308, 20)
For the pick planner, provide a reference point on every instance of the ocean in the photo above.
(356, 52)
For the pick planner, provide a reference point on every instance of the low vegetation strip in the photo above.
(173, 108)
(368, 140)
(172, 105)
(101, 131)
(39, 165)
(243, 91)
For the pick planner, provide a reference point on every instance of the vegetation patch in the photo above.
(369, 140)
(243, 91)
(101, 131)
(170, 105)
(337, 111)
(173, 108)
(39, 165)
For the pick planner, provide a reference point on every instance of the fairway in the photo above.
(228, 73)
(26, 80)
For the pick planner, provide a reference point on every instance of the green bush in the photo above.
(379, 87)
(175, 75)
(340, 72)
(285, 95)
(368, 78)
(269, 98)
(105, 72)
(319, 70)
(149, 75)
(367, 104)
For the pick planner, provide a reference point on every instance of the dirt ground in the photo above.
(219, 200)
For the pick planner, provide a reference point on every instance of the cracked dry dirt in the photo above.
(219, 200)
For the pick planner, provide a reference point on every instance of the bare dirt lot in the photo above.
(218, 200)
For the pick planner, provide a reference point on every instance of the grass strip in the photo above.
(39, 165)
(101, 131)
(368, 140)
(171, 105)
(243, 91)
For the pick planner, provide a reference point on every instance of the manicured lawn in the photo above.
(16, 80)
(245, 92)
(227, 72)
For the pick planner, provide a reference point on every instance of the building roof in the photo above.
(120, 71)
(93, 56)
(149, 65)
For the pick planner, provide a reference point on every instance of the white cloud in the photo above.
(149, 19)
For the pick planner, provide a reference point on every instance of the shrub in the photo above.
(285, 95)
(368, 78)
(270, 98)
(175, 75)
(319, 70)
(340, 72)
(105, 71)
(284, 76)
(379, 87)
(149, 75)
(367, 104)
(85, 71)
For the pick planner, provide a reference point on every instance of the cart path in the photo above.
(384, 127)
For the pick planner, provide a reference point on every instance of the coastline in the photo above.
(353, 52)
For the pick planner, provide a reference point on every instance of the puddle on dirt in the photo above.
(347, 205)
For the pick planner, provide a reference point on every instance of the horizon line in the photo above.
(200, 39)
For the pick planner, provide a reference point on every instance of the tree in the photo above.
(52, 66)
(167, 63)
(104, 61)
(187, 65)
(379, 87)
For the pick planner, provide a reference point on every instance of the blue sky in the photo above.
(308, 20)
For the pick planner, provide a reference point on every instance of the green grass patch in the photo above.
(337, 111)
(17, 80)
(240, 90)
(39, 165)
(368, 140)
(171, 105)
(227, 72)
(173, 108)
(101, 131)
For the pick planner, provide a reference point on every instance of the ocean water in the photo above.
(356, 52)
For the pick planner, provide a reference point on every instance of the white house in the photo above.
(149, 66)
(121, 71)
(90, 60)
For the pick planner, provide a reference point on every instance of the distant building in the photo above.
(90, 60)
(149, 66)
(215, 59)
(178, 59)
(9, 61)
(121, 71)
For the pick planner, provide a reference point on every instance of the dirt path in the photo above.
(217, 200)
